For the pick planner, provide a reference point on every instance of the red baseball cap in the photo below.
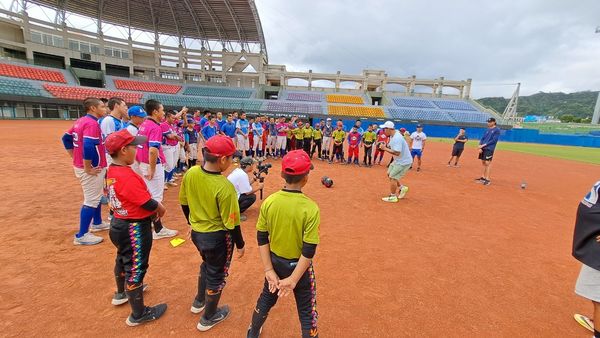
(296, 162)
(220, 145)
(120, 139)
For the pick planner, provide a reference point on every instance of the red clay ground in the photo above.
(454, 258)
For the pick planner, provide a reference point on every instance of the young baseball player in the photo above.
(220, 122)
(458, 147)
(151, 159)
(83, 142)
(288, 235)
(586, 244)
(251, 135)
(282, 129)
(114, 121)
(382, 139)
(299, 135)
(354, 140)
(191, 143)
(210, 129)
(289, 134)
(131, 226)
(317, 139)
(338, 135)
(228, 129)
(307, 134)
(137, 115)
(402, 162)
(272, 138)
(327, 137)
(368, 139)
(487, 146)
(242, 129)
(170, 142)
(257, 131)
(417, 145)
(210, 204)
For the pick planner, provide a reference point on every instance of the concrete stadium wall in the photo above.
(512, 135)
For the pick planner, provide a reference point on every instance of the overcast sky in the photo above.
(547, 45)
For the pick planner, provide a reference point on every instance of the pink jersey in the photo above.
(167, 129)
(151, 129)
(86, 129)
(281, 128)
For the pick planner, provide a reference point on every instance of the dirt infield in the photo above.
(454, 258)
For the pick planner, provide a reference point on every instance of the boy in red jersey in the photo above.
(131, 226)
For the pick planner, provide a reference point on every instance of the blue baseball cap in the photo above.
(137, 111)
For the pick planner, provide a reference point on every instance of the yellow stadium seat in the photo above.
(357, 111)
(337, 98)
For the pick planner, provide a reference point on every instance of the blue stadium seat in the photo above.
(219, 92)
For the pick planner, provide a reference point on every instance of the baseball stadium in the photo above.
(253, 196)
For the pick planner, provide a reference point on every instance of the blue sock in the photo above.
(97, 215)
(85, 218)
(171, 174)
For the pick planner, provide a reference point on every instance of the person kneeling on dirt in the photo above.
(240, 178)
(131, 226)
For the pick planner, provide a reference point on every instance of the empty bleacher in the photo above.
(468, 116)
(32, 73)
(219, 92)
(293, 107)
(340, 98)
(418, 114)
(356, 111)
(81, 93)
(18, 87)
(454, 105)
(412, 102)
(298, 96)
(143, 86)
(207, 102)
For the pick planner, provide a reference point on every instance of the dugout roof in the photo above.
(220, 20)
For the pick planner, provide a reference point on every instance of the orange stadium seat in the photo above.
(31, 73)
(337, 98)
(81, 93)
(142, 86)
(356, 111)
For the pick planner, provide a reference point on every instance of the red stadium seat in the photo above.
(31, 73)
(152, 87)
(81, 93)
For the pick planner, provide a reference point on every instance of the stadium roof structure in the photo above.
(217, 20)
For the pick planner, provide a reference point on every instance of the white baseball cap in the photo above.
(387, 125)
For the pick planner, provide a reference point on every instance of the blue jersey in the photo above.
(220, 124)
(209, 131)
(228, 129)
(257, 129)
(490, 138)
(272, 129)
(243, 125)
(191, 136)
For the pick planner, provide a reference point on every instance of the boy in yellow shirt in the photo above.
(339, 135)
(308, 134)
(317, 141)
(368, 139)
(288, 234)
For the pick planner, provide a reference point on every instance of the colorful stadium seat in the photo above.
(293, 107)
(312, 97)
(17, 87)
(412, 102)
(356, 111)
(338, 98)
(455, 105)
(207, 102)
(31, 73)
(142, 86)
(418, 114)
(81, 93)
(218, 92)
(468, 116)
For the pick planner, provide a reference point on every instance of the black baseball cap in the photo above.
(491, 119)
(419, 125)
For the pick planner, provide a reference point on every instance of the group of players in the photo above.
(138, 150)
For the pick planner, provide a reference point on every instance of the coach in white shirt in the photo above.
(242, 182)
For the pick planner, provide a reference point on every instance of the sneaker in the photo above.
(449, 164)
(87, 239)
(219, 316)
(99, 227)
(403, 191)
(166, 187)
(171, 184)
(249, 335)
(486, 182)
(243, 217)
(390, 199)
(197, 306)
(456, 166)
(164, 233)
(480, 180)
(120, 298)
(150, 313)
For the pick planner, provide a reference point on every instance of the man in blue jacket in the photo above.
(487, 145)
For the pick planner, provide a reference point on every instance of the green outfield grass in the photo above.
(580, 154)
(562, 128)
